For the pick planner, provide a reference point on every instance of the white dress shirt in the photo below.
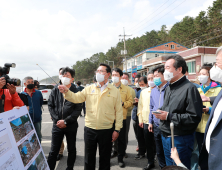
(104, 86)
(215, 118)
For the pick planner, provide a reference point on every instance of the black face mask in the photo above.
(30, 86)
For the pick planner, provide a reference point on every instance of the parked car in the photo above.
(46, 90)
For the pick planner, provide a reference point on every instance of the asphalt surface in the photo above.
(131, 163)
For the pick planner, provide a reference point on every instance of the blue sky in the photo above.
(57, 33)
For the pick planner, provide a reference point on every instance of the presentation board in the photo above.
(19, 145)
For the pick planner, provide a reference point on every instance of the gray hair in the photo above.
(27, 78)
(218, 50)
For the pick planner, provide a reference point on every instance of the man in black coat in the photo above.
(183, 107)
(64, 115)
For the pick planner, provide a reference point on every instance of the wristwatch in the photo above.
(117, 131)
(65, 122)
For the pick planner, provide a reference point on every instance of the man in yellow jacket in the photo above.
(103, 106)
(125, 81)
(126, 103)
(143, 115)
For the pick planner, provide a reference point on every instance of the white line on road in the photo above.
(47, 122)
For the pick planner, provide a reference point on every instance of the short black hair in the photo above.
(137, 76)
(126, 74)
(159, 69)
(150, 72)
(79, 83)
(119, 71)
(144, 79)
(108, 69)
(173, 167)
(179, 62)
(60, 69)
(187, 70)
(67, 69)
(94, 78)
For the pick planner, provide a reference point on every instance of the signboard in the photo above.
(134, 71)
(129, 70)
(19, 145)
(139, 67)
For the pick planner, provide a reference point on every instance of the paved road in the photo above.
(131, 164)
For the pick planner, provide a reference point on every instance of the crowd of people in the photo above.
(163, 98)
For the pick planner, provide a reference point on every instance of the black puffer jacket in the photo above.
(63, 110)
(183, 102)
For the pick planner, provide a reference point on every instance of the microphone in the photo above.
(46, 73)
(172, 133)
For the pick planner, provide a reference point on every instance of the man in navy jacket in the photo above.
(35, 101)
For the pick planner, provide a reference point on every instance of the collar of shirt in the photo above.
(163, 87)
(31, 93)
(177, 80)
(103, 87)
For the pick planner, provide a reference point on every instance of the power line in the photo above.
(161, 17)
(155, 15)
(149, 16)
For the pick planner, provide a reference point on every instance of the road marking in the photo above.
(46, 113)
(46, 141)
(47, 122)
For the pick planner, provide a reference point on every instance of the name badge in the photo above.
(93, 91)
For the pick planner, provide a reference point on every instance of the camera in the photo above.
(3, 73)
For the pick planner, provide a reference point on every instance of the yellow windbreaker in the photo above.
(205, 116)
(126, 98)
(101, 108)
(144, 106)
(133, 93)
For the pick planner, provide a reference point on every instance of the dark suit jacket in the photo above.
(213, 160)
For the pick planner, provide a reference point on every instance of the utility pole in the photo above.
(124, 51)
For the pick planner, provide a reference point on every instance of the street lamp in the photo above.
(110, 61)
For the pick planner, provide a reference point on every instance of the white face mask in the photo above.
(142, 88)
(203, 79)
(151, 83)
(124, 82)
(100, 77)
(115, 80)
(167, 75)
(60, 77)
(216, 74)
(137, 85)
(65, 81)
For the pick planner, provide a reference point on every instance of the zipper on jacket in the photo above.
(159, 99)
(32, 109)
(63, 108)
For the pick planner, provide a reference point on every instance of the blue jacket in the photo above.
(134, 113)
(212, 160)
(156, 101)
(35, 105)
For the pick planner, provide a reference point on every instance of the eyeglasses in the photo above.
(100, 71)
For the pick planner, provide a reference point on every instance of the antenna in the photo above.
(46, 73)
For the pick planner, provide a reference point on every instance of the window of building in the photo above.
(178, 45)
(172, 46)
(166, 45)
(191, 66)
(139, 60)
(156, 55)
(128, 64)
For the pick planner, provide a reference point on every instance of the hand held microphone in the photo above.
(172, 133)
